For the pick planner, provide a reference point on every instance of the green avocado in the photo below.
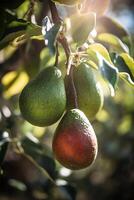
(89, 92)
(43, 100)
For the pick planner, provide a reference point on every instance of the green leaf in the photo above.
(16, 25)
(110, 73)
(10, 38)
(18, 32)
(129, 61)
(124, 63)
(108, 70)
(33, 31)
(110, 25)
(81, 26)
(126, 77)
(11, 23)
(97, 47)
(50, 33)
(51, 36)
(4, 141)
(94, 57)
(113, 42)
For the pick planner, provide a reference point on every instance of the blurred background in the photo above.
(32, 175)
(123, 11)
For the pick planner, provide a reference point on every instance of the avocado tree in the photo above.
(65, 66)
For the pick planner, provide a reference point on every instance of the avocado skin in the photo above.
(89, 93)
(43, 100)
(75, 143)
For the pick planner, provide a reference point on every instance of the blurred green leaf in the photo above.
(17, 31)
(16, 25)
(129, 61)
(102, 50)
(10, 38)
(22, 10)
(81, 26)
(113, 42)
(110, 73)
(94, 57)
(125, 125)
(110, 25)
(108, 70)
(13, 83)
(126, 77)
(124, 63)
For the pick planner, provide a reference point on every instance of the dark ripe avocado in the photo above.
(74, 143)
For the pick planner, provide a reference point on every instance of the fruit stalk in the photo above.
(72, 99)
(57, 55)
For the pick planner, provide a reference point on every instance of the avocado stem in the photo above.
(73, 87)
(71, 90)
(57, 55)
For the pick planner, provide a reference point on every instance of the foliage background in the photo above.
(111, 176)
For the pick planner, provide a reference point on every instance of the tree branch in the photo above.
(54, 12)
(71, 90)
(56, 19)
